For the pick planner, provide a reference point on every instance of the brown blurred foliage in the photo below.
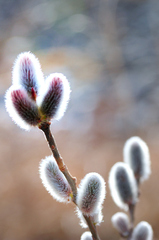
(109, 51)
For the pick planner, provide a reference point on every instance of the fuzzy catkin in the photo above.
(54, 96)
(136, 154)
(123, 185)
(27, 72)
(86, 236)
(143, 231)
(91, 194)
(121, 223)
(25, 106)
(54, 181)
(14, 110)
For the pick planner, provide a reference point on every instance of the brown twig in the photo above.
(45, 127)
(92, 228)
(131, 212)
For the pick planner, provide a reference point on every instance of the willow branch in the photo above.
(45, 127)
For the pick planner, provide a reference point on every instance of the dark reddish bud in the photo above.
(21, 108)
(54, 96)
(25, 107)
(31, 101)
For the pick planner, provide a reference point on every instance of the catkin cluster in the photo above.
(124, 181)
(34, 101)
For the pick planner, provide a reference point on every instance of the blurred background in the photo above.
(109, 51)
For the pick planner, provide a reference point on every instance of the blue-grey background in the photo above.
(109, 51)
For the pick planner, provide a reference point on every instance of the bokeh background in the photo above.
(109, 51)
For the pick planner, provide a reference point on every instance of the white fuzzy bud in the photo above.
(123, 185)
(91, 194)
(143, 231)
(54, 181)
(86, 236)
(21, 108)
(121, 223)
(54, 96)
(27, 72)
(136, 154)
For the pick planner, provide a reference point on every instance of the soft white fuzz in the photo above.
(11, 108)
(121, 223)
(97, 217)
(49, 97)
(86, 236)
(144, 167)
(25, 63)
(65, 96)
(64, 91)
(91, 194)
(54, 181)
(116, 191)
(82, 222)
(142, 231)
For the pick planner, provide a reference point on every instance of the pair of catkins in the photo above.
(35, 101)
(124, 181)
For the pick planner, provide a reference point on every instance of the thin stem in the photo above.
(131, 211)
(45, 127)
(92, 228)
